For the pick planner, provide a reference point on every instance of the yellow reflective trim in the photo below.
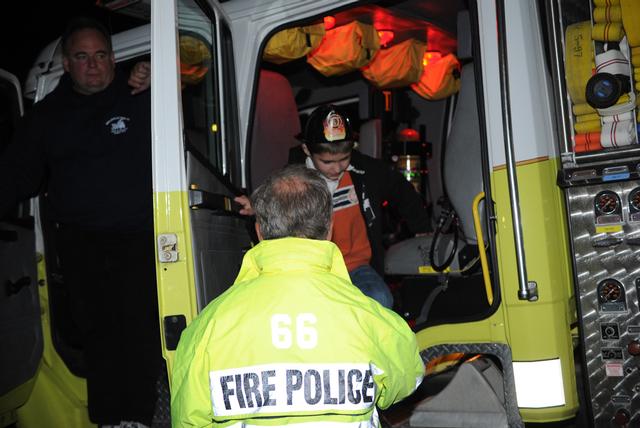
(430, 270)
(611, 228)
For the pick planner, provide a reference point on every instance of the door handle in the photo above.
(201, 199)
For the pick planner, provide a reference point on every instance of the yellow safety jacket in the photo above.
(292, 341)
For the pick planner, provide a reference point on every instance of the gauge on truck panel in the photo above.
(607, 207)
(611, 296)
(634, 205)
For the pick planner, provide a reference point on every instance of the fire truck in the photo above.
(517, 121)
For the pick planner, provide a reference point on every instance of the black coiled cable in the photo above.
(447, 218)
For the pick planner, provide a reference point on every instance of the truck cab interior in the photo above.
(434, 137)
(431, 137)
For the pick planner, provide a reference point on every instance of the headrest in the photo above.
(465, 50)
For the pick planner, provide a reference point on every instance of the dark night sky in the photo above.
(28, 26)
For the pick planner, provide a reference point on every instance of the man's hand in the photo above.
(246, 205)
(140, 77)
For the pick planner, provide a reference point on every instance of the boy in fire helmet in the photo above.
(359, 185)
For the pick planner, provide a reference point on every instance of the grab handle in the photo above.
(481, 250)
(527, 290)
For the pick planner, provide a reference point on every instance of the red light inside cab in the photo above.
(409, 134)
(329, 22)
(430, 57)
(386, 36)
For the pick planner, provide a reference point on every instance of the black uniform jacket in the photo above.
(90, 154)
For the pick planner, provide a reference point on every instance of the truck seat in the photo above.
(275, 124)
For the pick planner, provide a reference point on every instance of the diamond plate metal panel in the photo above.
(609, 321)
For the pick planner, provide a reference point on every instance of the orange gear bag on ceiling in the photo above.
(397, 66)
(195, 59)
(345, 49)
(439, 79)
(293, 43)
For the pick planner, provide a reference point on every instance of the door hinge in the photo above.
(168, 248)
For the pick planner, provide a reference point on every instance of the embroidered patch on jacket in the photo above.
(344, 197)
(118, 124)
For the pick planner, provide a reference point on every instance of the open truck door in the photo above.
(200, 237)
(20, 328)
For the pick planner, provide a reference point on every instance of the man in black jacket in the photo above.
(360, 185)
(87, 145)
